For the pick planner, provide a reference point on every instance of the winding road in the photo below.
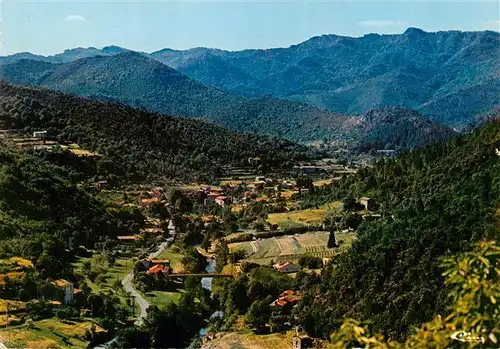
(129, 288)
(127, 281)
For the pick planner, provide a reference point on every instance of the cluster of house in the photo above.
(215, 195)
(153, 225)
(287, 300)
(152, 230)
(159, 268)
(283, 305)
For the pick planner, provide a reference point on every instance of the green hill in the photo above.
(140, 144)
(435, 201)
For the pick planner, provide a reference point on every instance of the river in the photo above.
(206, 283)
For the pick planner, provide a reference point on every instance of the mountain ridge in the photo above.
(427, 71)
(142, 82)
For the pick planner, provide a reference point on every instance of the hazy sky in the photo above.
(48, 27)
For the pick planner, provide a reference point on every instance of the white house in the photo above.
(286, 267)
(68, 289)
(221, 200)
(40, 134)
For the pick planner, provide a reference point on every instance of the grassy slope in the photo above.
(49, 333)
(309, 216)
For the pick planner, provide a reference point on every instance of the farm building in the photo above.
(147, 202)
(161, 261)
(127, 238)
(102, 185)
(154, 230)
(158, 270)
(370, 217)
(286, 267)
(286, 300)
(67, 288)
(367, 202)
(221, 200)
(301, 342)
(40, 134)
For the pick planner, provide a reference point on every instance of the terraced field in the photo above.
(290, 247)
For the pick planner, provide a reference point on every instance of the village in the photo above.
(262, 219)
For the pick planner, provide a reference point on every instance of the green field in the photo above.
(49, 333)
(174, 257)
(290, 247)
(301, 217)
(113, 276)
(162, 298)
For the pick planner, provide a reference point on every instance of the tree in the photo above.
(474, 314)
(222, 255)
(259, 225)
(349, 203)
(259, 313)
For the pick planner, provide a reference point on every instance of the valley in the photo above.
(340, 192)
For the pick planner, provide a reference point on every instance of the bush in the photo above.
(310, 262)
(241, 238)
(247, 266)
(61, 314)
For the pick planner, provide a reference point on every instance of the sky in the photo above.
(49, 27)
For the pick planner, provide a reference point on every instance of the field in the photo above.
(233, 340)
(290, 247)
(162, 298)
(309, 216)
(50, 333)
(114, 275)
(322, 182)
(174, 257)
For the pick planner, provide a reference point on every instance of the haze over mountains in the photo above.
(449, 77)
(426, 71)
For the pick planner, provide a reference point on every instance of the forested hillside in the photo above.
(398, 128)
(435, 201)
(44, 214)
(140, 144)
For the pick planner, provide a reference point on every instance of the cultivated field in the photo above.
(309, 216)
(290, 247)
(233, 340)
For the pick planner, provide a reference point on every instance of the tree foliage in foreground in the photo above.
(474, 283)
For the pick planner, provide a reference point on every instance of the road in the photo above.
(129, 288)
(127, 281)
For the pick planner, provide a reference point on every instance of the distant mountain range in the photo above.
(142, 82)
(139, 81)
(449, 76)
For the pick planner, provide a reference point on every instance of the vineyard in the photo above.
(290, 248)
